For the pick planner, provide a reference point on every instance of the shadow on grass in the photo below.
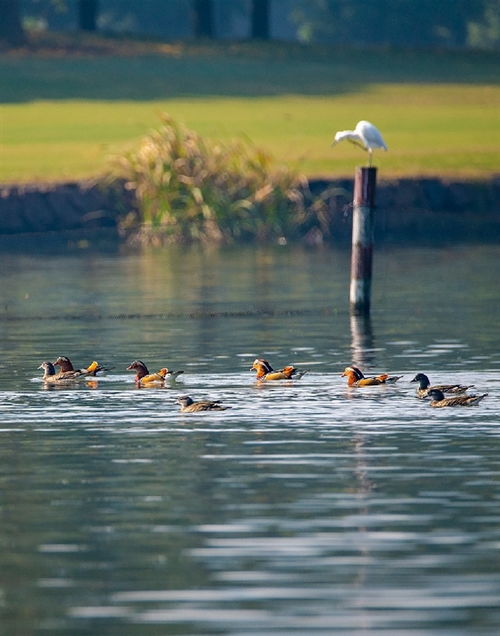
(234, 71)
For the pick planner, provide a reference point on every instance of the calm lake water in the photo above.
(305, 508)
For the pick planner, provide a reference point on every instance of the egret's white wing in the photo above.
(348, 135)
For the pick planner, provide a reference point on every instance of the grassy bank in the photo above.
(63, 115)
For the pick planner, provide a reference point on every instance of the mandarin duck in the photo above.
(189, 406)
(265, 371)
(424, 386)
(67, 367)
(145, 379)
(439, 401)
(67, 371)
(356, 378)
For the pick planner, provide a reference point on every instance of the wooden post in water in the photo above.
(365, 183)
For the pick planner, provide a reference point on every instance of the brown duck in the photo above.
(265, 372)
(189, 406)
(50, 376)
(439, 401)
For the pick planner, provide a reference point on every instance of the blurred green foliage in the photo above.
(189, 189)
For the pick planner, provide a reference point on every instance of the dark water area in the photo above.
(307, 507)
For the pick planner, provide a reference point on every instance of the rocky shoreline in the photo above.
(75, 205)
(405, 207)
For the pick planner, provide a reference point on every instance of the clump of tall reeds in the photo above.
(188, 189)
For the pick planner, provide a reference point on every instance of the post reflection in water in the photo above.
(361, 340)
(364, 490)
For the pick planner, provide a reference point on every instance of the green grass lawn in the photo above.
(62, 116)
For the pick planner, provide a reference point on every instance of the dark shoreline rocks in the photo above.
(423, 207)
(50, 207)
(405, 207)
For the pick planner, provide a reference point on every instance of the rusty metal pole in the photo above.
(365, 184)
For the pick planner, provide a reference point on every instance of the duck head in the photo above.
(353, 374)
(422, 379)
(436, 395)
(352, 370)
(262, 366)
(140, 367)
(64, 363)
(48, 368)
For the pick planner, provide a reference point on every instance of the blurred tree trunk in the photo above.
(88, 11)
(203, 17)
(260, 19)
(11, 26)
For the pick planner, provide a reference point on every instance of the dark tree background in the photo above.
(390, 22)
(405, 23)
(87, 14)
(260, 19)
(11, 29)
(203, 18)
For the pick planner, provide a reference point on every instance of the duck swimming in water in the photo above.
(355, 377)
(67, 368)
(51, 376)
(144, 378)
(265, 372)
(189, 406)
(424, 386)
(439, 401)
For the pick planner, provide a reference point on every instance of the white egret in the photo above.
(365, 135)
